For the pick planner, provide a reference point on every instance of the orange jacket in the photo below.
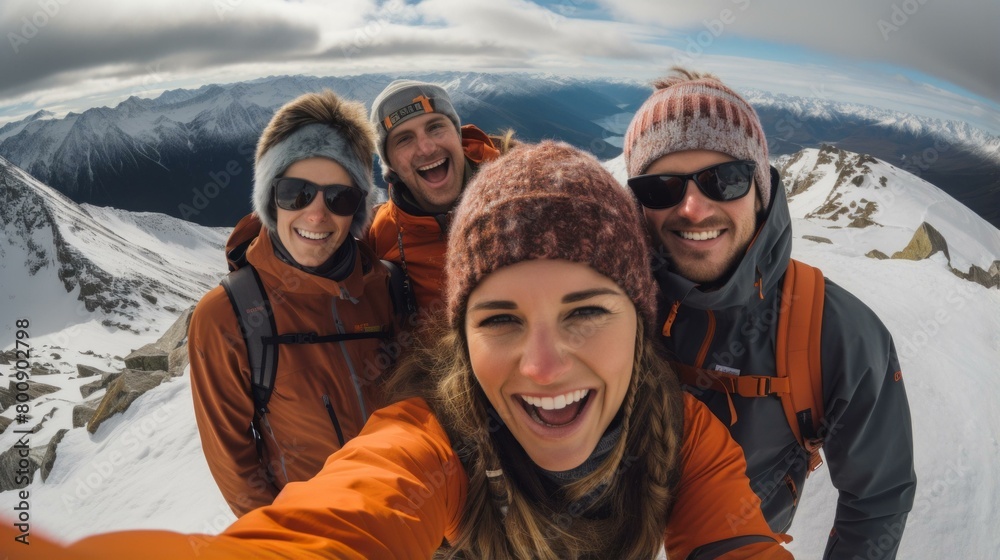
(423, 235)
(398, 488)
(298, 432)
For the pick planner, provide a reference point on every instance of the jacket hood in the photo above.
(766, 259)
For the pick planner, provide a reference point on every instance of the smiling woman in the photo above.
(539, 423)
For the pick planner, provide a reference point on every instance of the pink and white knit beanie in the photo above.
(697, 112)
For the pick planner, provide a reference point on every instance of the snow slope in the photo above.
(145, 468)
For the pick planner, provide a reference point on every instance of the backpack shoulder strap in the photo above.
(253, 310)
(798, 382)
(400, 290)
(797, 354)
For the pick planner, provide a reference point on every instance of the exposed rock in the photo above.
(925, 242)
(8, 396)
(995, 269)
(176, 335)
(861, 216)
(169, 353)
(178, 361)
(19, 463)
(102, 383)
(123, 392)
(43, 369)
(4, 422)
(49, 459)
(38, 427)
(979, 276)
(876, 254)
(83, 412)
(87, 371)
(817, 239)
(148, 358)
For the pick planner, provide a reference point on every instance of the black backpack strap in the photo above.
(400, 289)
(253, 311)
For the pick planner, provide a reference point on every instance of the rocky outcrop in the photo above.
(87, 371)
(129, 386)
(169, 353)
(49, 457)
(83, 412)
(148, 358)
(102, 383)
(817, 239)
(19, 464)
(8, 396)
(925, 242)
(979, 276)
(876, 254)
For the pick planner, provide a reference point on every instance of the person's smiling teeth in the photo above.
(432, 165)
(313, 235)
(700, 235)
(557, 402)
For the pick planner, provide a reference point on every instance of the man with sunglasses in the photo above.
(697, 160)
(427, 158)
(272, 403)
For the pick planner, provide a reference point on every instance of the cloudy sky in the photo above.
(931, 57)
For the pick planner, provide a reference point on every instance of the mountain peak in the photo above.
(42, 114)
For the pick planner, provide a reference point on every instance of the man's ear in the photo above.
(391, 177)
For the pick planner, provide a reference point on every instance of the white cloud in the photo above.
(89, 54)
(954, 40)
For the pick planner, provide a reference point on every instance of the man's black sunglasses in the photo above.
(291, 193)
(722, 182)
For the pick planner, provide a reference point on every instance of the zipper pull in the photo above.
(671, 318)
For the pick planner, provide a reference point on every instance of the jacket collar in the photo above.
(290, 279)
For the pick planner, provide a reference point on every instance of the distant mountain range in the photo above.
(189, 153)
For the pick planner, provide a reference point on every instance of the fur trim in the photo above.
(341, 133)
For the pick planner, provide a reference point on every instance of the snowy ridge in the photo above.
(839, 193)
(120, 269)
(957, 132)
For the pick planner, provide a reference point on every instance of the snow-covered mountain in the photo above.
(87, 285)
(817, 108)
(145, 469)
(188, 153)
(844, 196)
(62, 263)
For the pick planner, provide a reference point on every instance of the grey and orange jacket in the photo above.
(398, 488)
(869, 445)
(298, 432)
(423, 235)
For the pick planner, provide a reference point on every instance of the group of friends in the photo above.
(522, 398)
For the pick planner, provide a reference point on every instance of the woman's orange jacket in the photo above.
(398, 488)
(298, 433)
